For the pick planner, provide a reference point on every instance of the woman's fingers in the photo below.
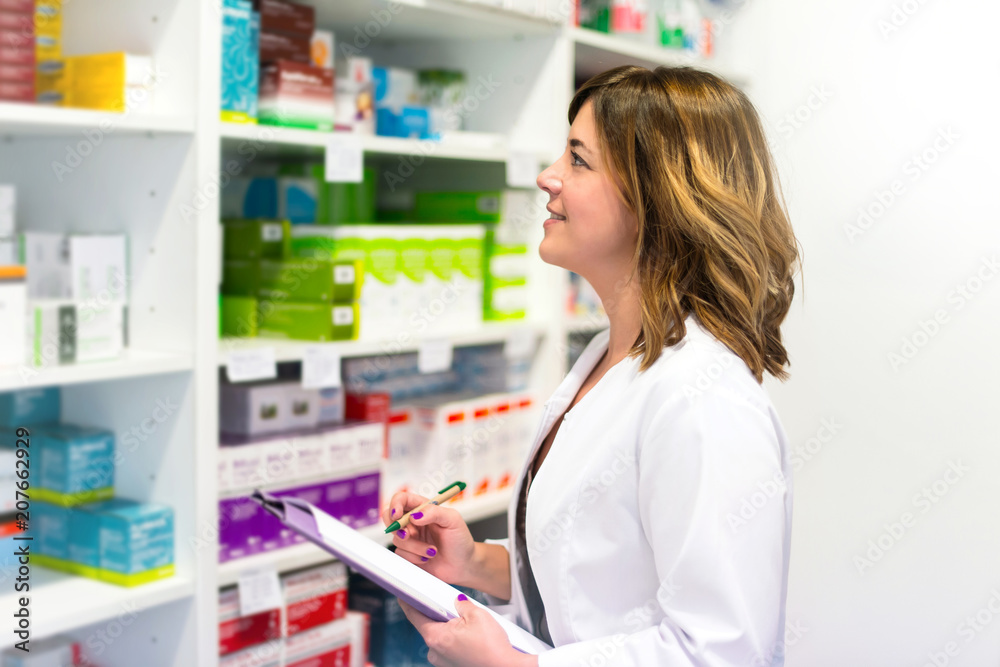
(441, 517)
(400, 504)
(412, 544)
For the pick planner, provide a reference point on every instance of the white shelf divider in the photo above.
(39, 120)
(133, 363)
(307, 554)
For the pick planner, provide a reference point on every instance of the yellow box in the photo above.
(108, 81)
(48, 30)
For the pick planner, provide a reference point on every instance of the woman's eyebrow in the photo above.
(576, 143)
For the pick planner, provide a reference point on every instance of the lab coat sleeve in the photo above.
(704, 459)
(505, 608)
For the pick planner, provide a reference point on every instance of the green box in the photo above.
(239, 316)
(256, 239)
(480, 206)
(241, 277)
(309, 321)
(311, 279)
(338, 203)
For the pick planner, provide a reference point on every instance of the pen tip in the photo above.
(394, 526)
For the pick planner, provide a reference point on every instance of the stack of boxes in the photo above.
(293, 441)
(267, 292)
(240, 63)
(76, 525)
(295, 91)
(312, 626)
(17, 50)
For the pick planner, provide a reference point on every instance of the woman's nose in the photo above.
(549, 180)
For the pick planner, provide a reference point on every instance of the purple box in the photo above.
(338, 500)
(240, 526)
(365, 500)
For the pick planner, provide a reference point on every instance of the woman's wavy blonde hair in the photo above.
(692, 163)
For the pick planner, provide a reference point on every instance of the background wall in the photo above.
(888, 108)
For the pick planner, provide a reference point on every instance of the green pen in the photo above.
(447, 493)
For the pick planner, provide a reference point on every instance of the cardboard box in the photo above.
(302, 280)
(241, 278)
(75, 464)
(240, 65)
(241, 524)
(313, 596)
(123, 541)
(284, 46)
(287, 17)
(355, 96)
(237, 632)
(66, 332)
(252, 409)
(294, 94)
(328, 644)
(319, 322)
(82, 267)
(13, 322)
(28, 407)
(110, 81)
(49, 528)
(238, 316)
(321, 48)
(256, 239)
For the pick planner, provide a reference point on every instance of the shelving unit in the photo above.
(154, 174)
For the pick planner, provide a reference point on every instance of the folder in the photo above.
(420, 589)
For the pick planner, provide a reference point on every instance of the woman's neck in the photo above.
(621, 300)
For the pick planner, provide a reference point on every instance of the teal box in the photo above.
(240, 67)
(74, 461)
(50, 528)
(134, 537)
(85, 536)
(28, 407)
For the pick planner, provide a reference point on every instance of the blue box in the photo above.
(76, 464)
(240, 62)
(135, 538)
(50, 527)
(28, 407)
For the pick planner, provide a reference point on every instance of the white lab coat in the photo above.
(658, 527)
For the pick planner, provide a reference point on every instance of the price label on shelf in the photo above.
(321, 367)
(250, 365)
(434, 356)
(522, 169)
(520, 343)
(344, 158)
(259, 590)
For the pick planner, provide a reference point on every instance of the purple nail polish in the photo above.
(431, 551)
(417, 515)
(401, 534)
(423, 558)
(393, 512)
(461, 596)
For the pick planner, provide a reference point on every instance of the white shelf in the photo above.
(305, 555)
(133, 363)
(598, 51)
(41, 120)
(61, 602)
(432, 19)
(292, 350)
(290, 141)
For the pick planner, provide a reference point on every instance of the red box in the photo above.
(21, 73)
(314, 597)
(281, 46)
(20, 23)
(18, 6)
(17, 91)
(327, 645)
(15, 54)
(237, 632)
(282, 16)
(372, 407)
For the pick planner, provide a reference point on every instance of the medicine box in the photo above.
(309, 279)
(284, 46)
(76, 464)
(252, 409)
(241, 524)
(110, 81)
(296, 95)
(238, 316)
(8, 198)
(286, 17)
(13, 318)
(65, 332)
(328, 644)
(355, 96)
(27, 407)
(240, 65)
(50, 528)
(313, 596)
(256, 239)
(87, 268)
(250, 198)
(237, 632)
(241, 277)
(319, 322)
(268, 655)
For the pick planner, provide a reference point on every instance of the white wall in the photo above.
(897, 429)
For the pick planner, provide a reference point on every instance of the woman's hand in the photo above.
(438, 540)
(474, 639)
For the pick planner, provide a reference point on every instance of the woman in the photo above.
(657, 527)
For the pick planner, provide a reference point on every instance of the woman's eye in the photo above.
(577, 161)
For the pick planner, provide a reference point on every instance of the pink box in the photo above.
(18, 6)
(17, 73)
(17, 91)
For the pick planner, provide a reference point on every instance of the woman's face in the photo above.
(590, 230)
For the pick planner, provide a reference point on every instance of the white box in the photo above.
(328, 644)
(359, 622)
(302, 407)
(311, 455)
(246, 465)
(321, 48)
(13, 316)
(64, 332)
(252, 409)
(8, 252)
(46, 256)
(8, 199)
(98, 268)
(369, 443)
